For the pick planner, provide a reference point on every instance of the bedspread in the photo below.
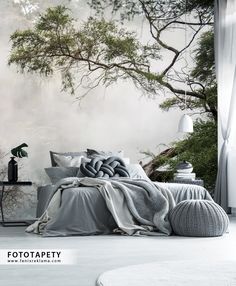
(137, 206)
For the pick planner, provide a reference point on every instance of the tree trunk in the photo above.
(151, 167)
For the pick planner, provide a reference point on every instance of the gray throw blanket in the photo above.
(137, 206)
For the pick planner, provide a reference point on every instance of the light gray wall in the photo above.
(33, 110)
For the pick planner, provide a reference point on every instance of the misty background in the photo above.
(35, 111)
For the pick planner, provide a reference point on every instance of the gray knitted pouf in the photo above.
(198, 218)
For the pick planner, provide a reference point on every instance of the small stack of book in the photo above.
(184, 176)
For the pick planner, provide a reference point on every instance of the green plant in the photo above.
(19, 151)
(199, 148)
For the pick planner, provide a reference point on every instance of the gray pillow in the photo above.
(73, 154)
(57, 173)
(70, 161)
(95, 153)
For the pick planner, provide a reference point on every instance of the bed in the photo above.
(83, 209)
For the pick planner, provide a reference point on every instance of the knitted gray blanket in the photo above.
(137, 206)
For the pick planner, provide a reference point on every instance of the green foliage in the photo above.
(199, 148)
(44, 47)
(174, 102)
(19, 151)
(95, 46)
(202, 79)
(107, 52)
(128, 9)
(200, 4)
(204, 69)
(116, 44)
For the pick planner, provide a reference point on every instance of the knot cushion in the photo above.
(202, 218)
(105, 168)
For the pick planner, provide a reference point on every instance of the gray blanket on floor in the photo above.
(137, 206)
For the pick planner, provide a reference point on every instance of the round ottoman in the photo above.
(198, 218)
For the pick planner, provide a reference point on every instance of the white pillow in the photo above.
(126, 161)
(69, 161)
(136, 172)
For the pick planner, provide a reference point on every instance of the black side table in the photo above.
(5, 184)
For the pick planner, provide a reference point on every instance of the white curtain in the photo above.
(225, 56)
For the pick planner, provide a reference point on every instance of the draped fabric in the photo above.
(225, 57)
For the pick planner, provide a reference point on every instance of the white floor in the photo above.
(101, 253)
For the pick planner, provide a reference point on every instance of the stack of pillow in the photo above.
(68, 164)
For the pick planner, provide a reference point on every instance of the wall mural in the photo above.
(101, 80)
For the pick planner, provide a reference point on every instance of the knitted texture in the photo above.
(198, 218)
(105, 168)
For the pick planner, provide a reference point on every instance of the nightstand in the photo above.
(3, 186)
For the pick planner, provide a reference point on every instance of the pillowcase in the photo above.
(92, 153)
(72, 154)
(137, 172)
(70, 161)
(57, 173)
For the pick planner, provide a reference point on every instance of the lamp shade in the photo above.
(185, 124)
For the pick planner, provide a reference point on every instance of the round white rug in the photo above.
(172, 273)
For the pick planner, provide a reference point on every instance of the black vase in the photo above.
(12, 170)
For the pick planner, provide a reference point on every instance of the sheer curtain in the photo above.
(225, 56)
